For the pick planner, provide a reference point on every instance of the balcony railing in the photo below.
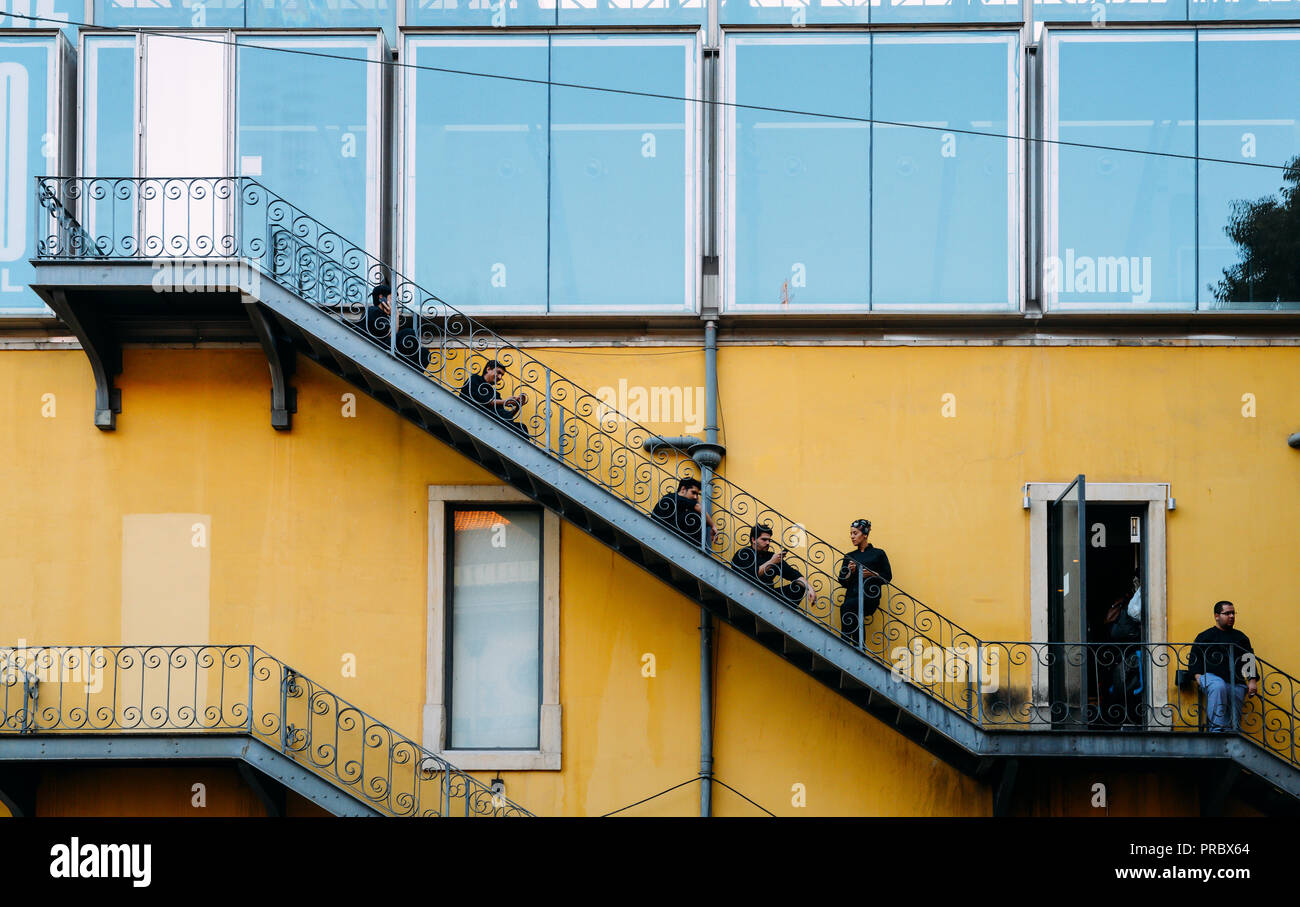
(163, 220)
(97, 690)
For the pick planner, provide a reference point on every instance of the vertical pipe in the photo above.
(706, 621)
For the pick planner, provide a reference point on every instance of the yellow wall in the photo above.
(316, 539)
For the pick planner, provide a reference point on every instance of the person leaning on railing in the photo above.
(1223, 664)
(481, 390)
(378, 323)
(863, 572)
(758, 561)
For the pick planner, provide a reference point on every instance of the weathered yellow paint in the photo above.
(317, 537)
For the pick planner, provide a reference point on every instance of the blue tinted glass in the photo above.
(632, 12)
(46, 13)
(323, 14)
(108, 137)
(1249, 241)
(946, 11)
(493, 13)
(305, 130)
(176, 13)
(621, 168)
(799, 216)
(1244, 9)
(24, 113)
(1124, 231)
(476, 172)
(1100, 12)
(943, 202)
(793, 12)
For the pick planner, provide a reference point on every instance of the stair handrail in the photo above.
(241, 690)
(337, 276)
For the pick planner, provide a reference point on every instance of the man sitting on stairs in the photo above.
(481, 391)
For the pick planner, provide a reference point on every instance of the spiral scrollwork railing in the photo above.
(203, 219)
(235, 690)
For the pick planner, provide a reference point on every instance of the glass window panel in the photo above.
(476, 153)
(944, 203)
(622, 216)
(799, 186)
(495, 632)
(1243, 9)
(1249, 112)
(171, 13)
(1100, 12)
(890, 11)
(793, 12)
(323, 14)
(1120, 231)
(493, 13)
(49, 13)
(29, 128)
(632, 12)
(108, 136)
(307, 128)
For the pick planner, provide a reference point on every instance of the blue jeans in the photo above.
(1219, 697)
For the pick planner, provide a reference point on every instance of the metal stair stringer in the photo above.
(641, 539)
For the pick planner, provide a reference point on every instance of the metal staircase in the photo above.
(981, 706)
(283, 730)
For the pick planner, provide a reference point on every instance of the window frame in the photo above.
(1050, 214)
(689, 37)
(895, 33)
(435, 725)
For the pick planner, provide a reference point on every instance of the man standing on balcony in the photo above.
(1223, 664)
(863, 573)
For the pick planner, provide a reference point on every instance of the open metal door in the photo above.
(1068, 616)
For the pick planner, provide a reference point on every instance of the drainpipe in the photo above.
(708, 455)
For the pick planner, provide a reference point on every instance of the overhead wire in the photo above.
(736, 105)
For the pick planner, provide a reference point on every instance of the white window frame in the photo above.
(1003, 33)
(1156, 496)
(1052, 40)
(693, 123)
(435, 725)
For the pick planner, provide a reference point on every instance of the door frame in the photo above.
(1156, 496)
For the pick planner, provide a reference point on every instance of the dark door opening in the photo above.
(1116, 613)
(1097, 622)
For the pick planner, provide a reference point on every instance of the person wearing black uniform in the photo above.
(865, 569)
(758, 561)
(681, 511)
(481, 390)
(1217, 663)
(379, 321)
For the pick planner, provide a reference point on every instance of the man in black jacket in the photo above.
(758, 561)
(379, 321)
(1223, 664)
(682, 511)
(481, 391)
(863, 573)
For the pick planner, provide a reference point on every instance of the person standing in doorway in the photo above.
(1222, 662)
(863, 573)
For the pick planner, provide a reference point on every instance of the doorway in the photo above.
(1099, 672)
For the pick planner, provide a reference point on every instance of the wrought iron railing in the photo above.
(49, 690)
(1112, 686)
(202, 218)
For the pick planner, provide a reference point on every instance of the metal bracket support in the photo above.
(281, 359)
